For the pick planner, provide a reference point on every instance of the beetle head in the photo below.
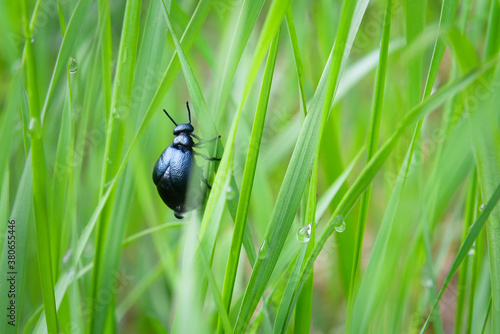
(186, 128)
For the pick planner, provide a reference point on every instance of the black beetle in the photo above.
(176, 170)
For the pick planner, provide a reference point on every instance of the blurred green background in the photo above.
(360, 175)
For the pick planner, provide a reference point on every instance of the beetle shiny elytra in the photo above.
(176, 170)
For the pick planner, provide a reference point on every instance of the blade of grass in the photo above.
(484, 139)
(469, 217)
(464, 248)
(247, 18)
(298, 170)
(248, 175)
(22, 217)
(39, 183)
(167, 79)
(304, 308)
(372, 145)
(369, 172)
(109, 230)
(284, 310)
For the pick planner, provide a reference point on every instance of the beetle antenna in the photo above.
(170, 117)
(189, 111)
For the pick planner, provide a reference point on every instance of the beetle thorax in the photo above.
(183, 141)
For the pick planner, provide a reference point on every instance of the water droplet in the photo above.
(32, 39)
(34, 129)
(481, 208)
(72, 66)
(230, 193)
(108, 160)
(179, 215)
(471, 251)
(263, 250)
(340, 228)
(304, 233)
(339, 224)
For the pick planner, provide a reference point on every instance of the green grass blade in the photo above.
(248, 176)
(465, 247)
(296, 56)
(22, 217)
(39, 185)
(73, 29)
(110, 230)
(369, 172)
(298, 170)
(247, 18)
(471, 206)
(372, 145)
(284, 310)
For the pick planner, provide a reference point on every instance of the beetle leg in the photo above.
(205, 181)
(205, 157)
(201, 141)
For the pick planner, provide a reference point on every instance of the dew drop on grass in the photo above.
(339, 224)
(229, 193)
(34, 129)
(481, 208)
(32, 40)
(304, 233)
(72, 66)
(263, 250)
(340, 228)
